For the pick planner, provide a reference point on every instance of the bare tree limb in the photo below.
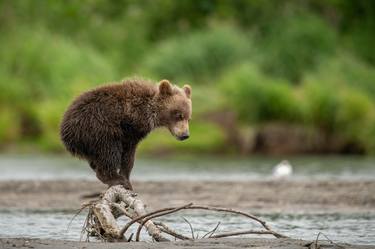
(158, 215)
(250, 216)
(210, 233)
(137, 219)
(171, 232)
(191, 227)
(222, 235)
(316, 245)
(118, 201)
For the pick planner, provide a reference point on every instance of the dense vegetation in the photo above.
(306, 63)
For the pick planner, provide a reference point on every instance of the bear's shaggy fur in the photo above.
(105, 125)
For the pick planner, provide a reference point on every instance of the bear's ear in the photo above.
(165, 87)
(187, 90)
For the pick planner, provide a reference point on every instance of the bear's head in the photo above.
(175, 108)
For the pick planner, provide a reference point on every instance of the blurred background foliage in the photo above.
(306, 65)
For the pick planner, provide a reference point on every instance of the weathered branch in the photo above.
(171, 232)
(222, 235)
(157, 215)
(228, 210)
(210, 233)
(190, 226)
(117, 201)
(103, 211)
(137, 219)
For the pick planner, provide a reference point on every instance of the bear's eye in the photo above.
(179, 116)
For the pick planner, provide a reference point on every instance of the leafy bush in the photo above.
(198, 56)
(9, 125)
(49, 114)
(47, 64)
(369, 134)
(321, 106)
(44, 61)
(355, 116)
(46, 67)
(339, 98)
(345, 112)
(294, 45)
(258, 98)
(204, 137)
(361, 41)
(345, 70)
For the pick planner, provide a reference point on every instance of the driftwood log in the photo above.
(101, 221)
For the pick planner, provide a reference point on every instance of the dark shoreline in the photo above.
(259, 243)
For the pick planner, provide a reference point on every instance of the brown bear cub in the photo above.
(105, 125)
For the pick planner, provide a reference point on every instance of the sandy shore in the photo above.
(205, 243)
(256, 196)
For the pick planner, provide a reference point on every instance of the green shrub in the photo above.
(368, 138)
(345, 70)
(47, 64)
(339, 99)
(321, 103)
(204, 137)
(9, 125)
(49, 114)
(294, 45)
(198, 56)
(258, 98)
(40, 75)
(12, 90)
(344, 111)
(44, 61)
(361, 41)
(206, 99)
(355, 113)
(355, 118)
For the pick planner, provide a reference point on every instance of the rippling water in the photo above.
(350, 228)
(253, 168)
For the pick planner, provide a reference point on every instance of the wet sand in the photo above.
(255, 196)
(205, 243)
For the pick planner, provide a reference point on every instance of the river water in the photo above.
(358, 228)
(23, 167)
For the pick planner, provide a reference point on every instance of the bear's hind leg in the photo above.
(107, 165)
(107, 174)
(127, 162)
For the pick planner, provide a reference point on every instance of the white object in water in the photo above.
(282, 170)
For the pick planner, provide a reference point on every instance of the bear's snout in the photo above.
(180, 130)
(184, 136)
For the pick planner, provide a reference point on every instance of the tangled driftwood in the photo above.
(117, 201)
